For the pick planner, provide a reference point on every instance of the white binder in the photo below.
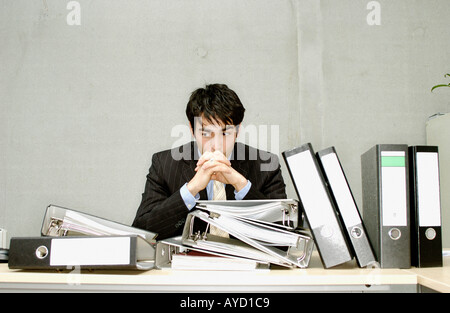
(317, 205)
(347, 207)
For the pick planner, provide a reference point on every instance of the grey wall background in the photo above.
(84, 107)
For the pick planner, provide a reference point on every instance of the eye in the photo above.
(206, 134)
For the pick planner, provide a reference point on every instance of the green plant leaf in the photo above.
(437, 86)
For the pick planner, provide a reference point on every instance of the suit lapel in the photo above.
(189, 160)
(240, 164)
(239, 159)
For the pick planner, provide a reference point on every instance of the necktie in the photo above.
(219, 191)
(218, 194)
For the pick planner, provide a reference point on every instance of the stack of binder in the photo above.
(401, 202)
(70, 238)
(261, 232)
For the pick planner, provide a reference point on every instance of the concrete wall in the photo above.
(83, 107)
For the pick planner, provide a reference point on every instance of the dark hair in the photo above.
(216, 102)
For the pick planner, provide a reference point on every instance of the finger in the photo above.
(211, 163)
(218, 177)
(214, 156)
(220, 156)
(218, 168)
(205, 157)
(201, 163)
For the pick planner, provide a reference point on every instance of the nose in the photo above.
(217, 142)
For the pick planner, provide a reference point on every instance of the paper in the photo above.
(197, 261)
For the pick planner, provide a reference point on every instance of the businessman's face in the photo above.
(215, 136)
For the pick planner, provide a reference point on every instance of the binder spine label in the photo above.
(90, 251)
(393, 188)
(428, 192)
(310, 187)
(341, 191)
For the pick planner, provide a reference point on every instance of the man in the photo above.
(213, 167)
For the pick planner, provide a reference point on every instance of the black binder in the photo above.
(317, 205)
(63, 253)
(426, 232)
(385, 193)
(347, 207)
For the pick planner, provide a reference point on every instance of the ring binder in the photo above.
(168, 248)
(425, 205)
(284, 212)
(346, 205)
(318, 206)
(59, 221)
(71, 238)
(99, 252)
(298, 245)
(385, 194)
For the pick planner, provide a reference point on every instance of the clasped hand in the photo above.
(215, 166)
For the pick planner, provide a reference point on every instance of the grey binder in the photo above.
(60, 221)
(284, 212)
(318, 206)
(385, 193)
(64, 253)
(347, 207)
(249, 239)
(169, 248)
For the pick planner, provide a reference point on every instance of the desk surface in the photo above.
(436, 278)
(314, 278)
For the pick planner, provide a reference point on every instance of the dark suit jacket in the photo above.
(162, 209)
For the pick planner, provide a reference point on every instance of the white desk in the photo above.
(347, 277)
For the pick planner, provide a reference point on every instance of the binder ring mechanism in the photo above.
(286, 217)
(56, 228)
